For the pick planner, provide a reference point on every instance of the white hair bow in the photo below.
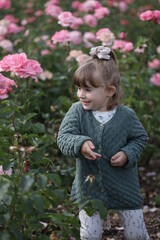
(101, 52)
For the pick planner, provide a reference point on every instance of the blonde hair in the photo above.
(97, 71)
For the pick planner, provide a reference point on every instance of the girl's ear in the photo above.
(111, 91)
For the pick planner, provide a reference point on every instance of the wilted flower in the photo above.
(82, 58)
(74, 54)
(106, 36)
(8, 172)
(46, 75)
(90, 178)
(141, 48)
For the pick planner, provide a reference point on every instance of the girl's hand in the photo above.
(119, 159)
(86, 151)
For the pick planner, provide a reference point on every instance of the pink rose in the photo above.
(155, 79)
(52, 2)
(13, 28)
(155, 64)
(53, 11)
(75, 37)
(11, 18)
(90, 5)
(12, 62)
(90, 20)
(20, 65)
(127, 47)
(88, 38)
(76, 4)
(101, 12)
(77, 22)
(124, 46)
(123, 6)
(6, 86)
(156, 16)
(61, 37)
(158, 49)
(31, 68)
(38, 13)
(121, 35)
(66, 19)
(7, 45)
(45, 52)
(5, 4)
(146, 16)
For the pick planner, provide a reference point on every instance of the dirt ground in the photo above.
(150, 184)
(152, 220)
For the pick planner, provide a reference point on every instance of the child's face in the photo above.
(93, 98)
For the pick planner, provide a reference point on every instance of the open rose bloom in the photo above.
(21, 66)
(5, 86)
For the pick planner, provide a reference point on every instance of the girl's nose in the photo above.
(81, 94)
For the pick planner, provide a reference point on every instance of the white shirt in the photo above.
(104, 117)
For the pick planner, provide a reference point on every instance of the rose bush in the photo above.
(45, 41)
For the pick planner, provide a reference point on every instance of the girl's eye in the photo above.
(88, 89)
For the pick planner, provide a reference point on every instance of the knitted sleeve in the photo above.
(69, 138)
(137, 139)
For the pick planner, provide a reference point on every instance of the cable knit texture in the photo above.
(117, 187)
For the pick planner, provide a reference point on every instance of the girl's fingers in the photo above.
(91, 145)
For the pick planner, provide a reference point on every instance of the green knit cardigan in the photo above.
(117, 187)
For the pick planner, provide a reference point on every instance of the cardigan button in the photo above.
(102, 190)
(99, 150)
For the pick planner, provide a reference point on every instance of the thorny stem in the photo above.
(14, 126)
(26, 95)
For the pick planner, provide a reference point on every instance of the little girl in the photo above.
(107, 139)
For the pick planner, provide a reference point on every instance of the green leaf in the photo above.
(27, 207)
(4, 185)
(55, 178)
(4, 236)
(99, 206)
(42, 181)
(14, 228)
(40, 127)
(26, 182)
(38, 202)
(29, 116)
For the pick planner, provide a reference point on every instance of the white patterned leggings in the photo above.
(132, 221)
